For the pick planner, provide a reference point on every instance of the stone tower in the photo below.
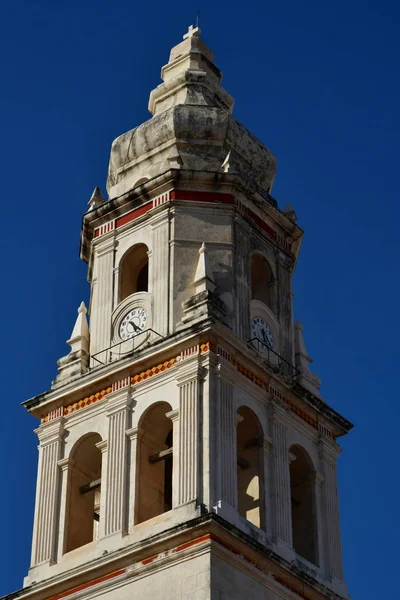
(185, 451)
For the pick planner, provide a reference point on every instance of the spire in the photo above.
(203, 279)
(290, 212)
(302, 361)
(190, 77)
(79, 339)
(96, 199)
(76, 362)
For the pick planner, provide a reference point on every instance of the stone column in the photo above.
(102, 446)
(47, 491)
(174, 416)
(118, 409)
(101, 305)
(268, 483)
(189, 378)
(134, 435)
(284, 270)
(281, 502)
(329, 452)
(225, 458)
(242, 275)
(160, 272)
(66, 465)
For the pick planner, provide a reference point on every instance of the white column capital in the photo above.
(50, 432)
(106, 246)
(134, 433)
(279, 411)
(119, 400)
(66, 463)
(189, 369)
(102, 446)
(173, 415)
(318, 478)
(227, 371)
(159, 219)
(268, 443)
(328, 450)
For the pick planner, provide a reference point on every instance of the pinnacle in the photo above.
(96, 199)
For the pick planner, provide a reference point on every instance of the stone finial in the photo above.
(290, 212)
(96, 199)
(76, 362)
(79, 339)
(190, 77)
(203, 279)
(302, 362)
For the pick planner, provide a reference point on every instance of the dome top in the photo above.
(192, 129)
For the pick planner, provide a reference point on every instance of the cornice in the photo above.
(207, 532)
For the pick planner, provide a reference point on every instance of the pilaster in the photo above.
(268, 483)
(47, 490)
(281, 503)
(66, 466)
(329, 452)
(189, 377)
(226, 438)
(243, 297)
(102, 296)
(118, 410)
(174, 416)
(160, 272)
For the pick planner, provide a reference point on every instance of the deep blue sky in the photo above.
(318, 83)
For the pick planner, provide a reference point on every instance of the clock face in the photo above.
(263, 332)
(133, 323)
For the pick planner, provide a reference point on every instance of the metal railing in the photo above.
(124, 348)
(275, 360)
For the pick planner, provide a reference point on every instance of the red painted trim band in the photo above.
(134, 214)
(84, 586)
(202, 196)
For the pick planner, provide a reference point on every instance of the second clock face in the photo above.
(263, 332)
(133, 323)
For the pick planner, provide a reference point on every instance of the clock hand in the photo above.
(266, 340)
(135, 327)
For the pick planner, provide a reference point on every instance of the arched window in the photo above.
(134, 271)
(154, 463)
(304, 530)
(250, 480)
(262, 281)
(84, 493)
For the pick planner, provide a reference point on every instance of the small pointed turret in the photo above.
(79, 339)
(77, 361)
(302, 361)
(96, 199)
(203, 279)
(290, 212)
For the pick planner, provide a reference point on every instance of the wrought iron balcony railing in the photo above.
(276, 361)
(124, 348)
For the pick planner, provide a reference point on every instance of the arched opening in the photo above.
(84, 493)
(134, 271)
(304, 528)
(154, 463)
(262, 281)
(250, 480)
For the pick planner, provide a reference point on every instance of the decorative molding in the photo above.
(186, 354)
(294, 408)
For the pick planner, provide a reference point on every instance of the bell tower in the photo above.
(185, 450)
